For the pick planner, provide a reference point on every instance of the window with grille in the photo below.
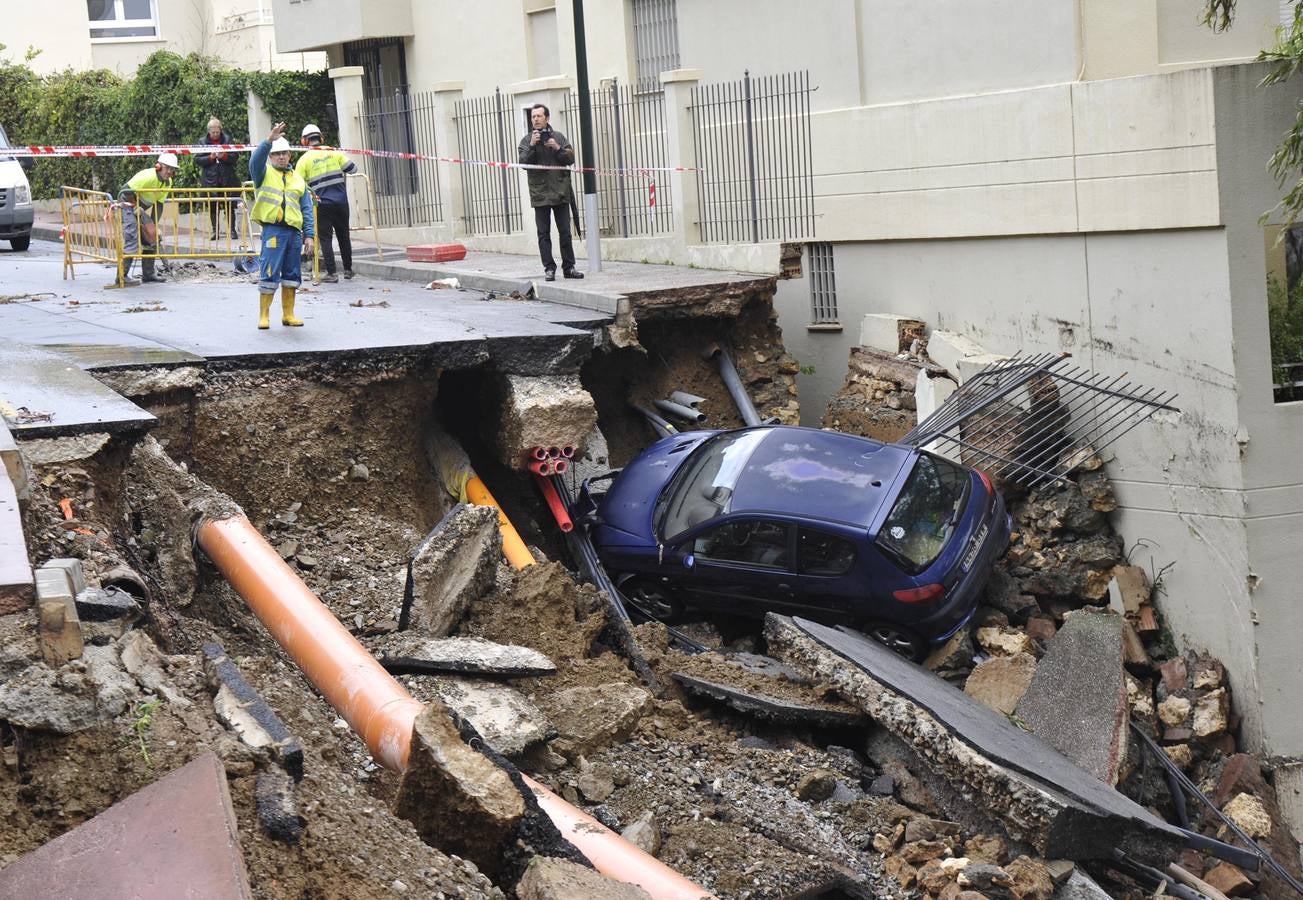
(122, 18)
(655, 40)
(823, 285)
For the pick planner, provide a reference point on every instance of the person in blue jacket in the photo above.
(282, 205)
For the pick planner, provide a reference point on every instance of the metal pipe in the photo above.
(380, 709)
(745, 407)
(685, 413)
(660, 425)
(683, 398)
(512, 546)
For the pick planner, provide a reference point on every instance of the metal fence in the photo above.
(486, 130)
(629, 134)
(406, 190)
(752, 138)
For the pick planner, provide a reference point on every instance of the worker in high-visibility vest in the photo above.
(282, 205)
(142, 204)
(324, 171)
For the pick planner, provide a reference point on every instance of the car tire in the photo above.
(897, 638)
(21, 243)
(655, 598)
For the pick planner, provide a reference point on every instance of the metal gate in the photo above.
(752, 139)
(406, 190)
(490, 194)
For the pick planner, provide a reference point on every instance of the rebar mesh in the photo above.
(1034, 419)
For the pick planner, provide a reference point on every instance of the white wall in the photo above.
(1123, 37)
(58, 28)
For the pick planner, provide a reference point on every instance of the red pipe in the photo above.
(539, 453)
(559, 466)
(568, 451)
(554, 452)
(554, 503)
(542, 466)
(378, 707)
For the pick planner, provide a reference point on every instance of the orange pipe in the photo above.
(611, 854)
(377, 707)
(512, 546)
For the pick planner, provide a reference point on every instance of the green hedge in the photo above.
(170, 100)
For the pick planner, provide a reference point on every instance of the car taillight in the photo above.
(919, 594)
(986, 480)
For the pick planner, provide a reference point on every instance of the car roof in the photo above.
(817, 474)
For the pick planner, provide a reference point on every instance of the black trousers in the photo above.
(220, 201)
(333, 218)
(543, 220)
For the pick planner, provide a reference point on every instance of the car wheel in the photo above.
(656, 598)
(896, 638)
(21, 243)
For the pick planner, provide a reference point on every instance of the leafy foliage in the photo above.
(170, 100)
(1285, 325)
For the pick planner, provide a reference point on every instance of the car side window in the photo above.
(752, 542)
(819, 553)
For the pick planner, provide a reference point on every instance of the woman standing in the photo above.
(219, 172)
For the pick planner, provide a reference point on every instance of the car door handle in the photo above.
(785, 587)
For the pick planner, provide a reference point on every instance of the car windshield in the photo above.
(4, 139)
(925, 513)
(705, 490)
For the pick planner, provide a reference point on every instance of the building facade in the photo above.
(1075, 175)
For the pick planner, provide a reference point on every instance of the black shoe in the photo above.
(573, 273)
(348, 274)
(549, 275)
(330, 278)
(151, 278)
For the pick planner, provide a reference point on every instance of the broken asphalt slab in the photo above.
(774, 709)
(174, 838)
(411, 653)
(1039, 795)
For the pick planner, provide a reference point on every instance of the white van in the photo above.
(16, 212)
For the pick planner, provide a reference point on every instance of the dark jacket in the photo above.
(548, 187)
(217, 172)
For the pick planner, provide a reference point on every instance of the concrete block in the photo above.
(242, 709)
(889, 332)
(1289, 797)
(969, 366)
(549, 878)
(587, 718)
(930, 393)
(409, 652)
(542, 411)
(73, 567)
(1001, 681)
(451, 568)
(504, 717)
(946, 348)
(17, 586)
(54, 585)
(11, 461)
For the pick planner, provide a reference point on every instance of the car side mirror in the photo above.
(26, 162)
(689, 561)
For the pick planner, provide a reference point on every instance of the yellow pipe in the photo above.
(512, 546)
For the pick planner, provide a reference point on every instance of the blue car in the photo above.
(891, 540)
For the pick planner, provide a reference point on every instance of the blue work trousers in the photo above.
(279, 261)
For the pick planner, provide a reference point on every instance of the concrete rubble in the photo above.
(506, 720)
(409, 652)
(541, 411)
(451, 567)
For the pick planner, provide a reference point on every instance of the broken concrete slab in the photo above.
(174, 838)
(85, 693)
(1001, 681)
(450, 569)
(12, 463)
(1038, 795)
(458, 800)
(142, 658)
(1080, 886)
(412, 653)
(775, 709)
(17, 585)
(947, 348)
(1077, 702)
(889, 332)
(1128, 590)
(541, 411)
(559, 879)
(504, 717)
(242, 709)
(106, 605)
(587, 718)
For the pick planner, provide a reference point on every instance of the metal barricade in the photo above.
(91, 229)
(367, 211)
(193, 223)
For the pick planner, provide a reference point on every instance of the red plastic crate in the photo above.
(436, 253)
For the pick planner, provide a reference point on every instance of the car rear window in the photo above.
(925, 514)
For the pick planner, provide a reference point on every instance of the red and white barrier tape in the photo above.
(91, 152)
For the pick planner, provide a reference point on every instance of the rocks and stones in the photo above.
(1005, 594)
(1029, 879)
(588, 718)
(243, 710)
(452, 567)
(644, 833)
(1001, 640)
(1229, 880)
(1080, 886)
(954, 655)
(1001, 681)
(1249, 813)
(1210, 713)
(273, 795)
(504, 717)
(1173, 711)
(106, 605)
(411, 652)
(541, 411)
(877, 397)
(559, 879)
(80, 695)
(1077, 701)
(143, 659)
(595, 782)
(816, 785)
(456, 798)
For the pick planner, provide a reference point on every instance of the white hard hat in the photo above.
(168, 159)
(280, 145)
(310, 129)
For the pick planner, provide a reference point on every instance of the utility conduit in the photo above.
(377, 707)
(513, 547)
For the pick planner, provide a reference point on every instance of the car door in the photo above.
(829, 580)
(742, 566)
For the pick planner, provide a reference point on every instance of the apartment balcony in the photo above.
(317, 24)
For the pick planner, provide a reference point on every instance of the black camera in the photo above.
(545, 134)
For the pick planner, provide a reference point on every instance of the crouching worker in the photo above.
(282, 204)
(142, 200)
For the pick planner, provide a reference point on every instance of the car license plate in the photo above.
(974, 548)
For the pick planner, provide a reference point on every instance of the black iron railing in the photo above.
(629, 134)
(487, 130)
(752, 138)
(406, 190)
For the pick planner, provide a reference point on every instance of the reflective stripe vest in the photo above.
(277, 199)
(322, 170)
(148, 187)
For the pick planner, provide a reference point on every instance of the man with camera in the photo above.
(549, 190)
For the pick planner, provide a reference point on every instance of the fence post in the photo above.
(621, 179)
(680, 152)
(347, 81)
(447, 95)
